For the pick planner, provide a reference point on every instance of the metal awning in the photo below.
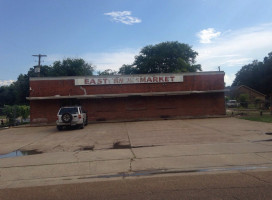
(98, 96)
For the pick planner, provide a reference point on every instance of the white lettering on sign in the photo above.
(171, 78)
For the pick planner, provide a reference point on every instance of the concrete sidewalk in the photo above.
(69, 167)
(157, 147)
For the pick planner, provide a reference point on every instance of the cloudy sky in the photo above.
(109, 33)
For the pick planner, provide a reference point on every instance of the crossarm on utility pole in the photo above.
(39, 62)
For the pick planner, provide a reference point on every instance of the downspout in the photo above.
(84, 90)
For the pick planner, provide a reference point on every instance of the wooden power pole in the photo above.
(38, 68)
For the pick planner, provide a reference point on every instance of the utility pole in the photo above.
(38, 68)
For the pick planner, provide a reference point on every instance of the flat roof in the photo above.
(132, 75)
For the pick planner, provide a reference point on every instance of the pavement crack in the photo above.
(134, 155)
(34, 141)
(130, 164)
(76, 155)
(262, 156)
(257, 178)
(146, 146)
(235, 198)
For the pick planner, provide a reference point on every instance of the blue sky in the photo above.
(109, 33)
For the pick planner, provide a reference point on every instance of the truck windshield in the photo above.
(68, 110)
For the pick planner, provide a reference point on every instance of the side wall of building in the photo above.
(57, 92)
(251, 94)
(136, 108)
(44, 111)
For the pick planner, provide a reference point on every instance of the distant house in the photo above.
(236, 91)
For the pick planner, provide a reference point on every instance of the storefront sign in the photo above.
(171, 78)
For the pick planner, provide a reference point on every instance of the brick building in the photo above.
(133, 97)
(253, 95)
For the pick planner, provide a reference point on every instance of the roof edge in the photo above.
(250, 89)
(130, 75)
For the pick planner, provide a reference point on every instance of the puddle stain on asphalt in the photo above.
(87, 148)
(268, 140)
(19, 153)
(165, 171)
(120, 145)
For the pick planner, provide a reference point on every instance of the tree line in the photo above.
(256, 75)
(165, 57)
(17, 92)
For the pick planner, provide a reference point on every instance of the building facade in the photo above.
(253, 95)
(133, 97)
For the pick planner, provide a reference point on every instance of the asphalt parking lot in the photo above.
(121, 150)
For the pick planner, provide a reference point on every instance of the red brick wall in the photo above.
(251, 94)
(45, 111)
(155, 107)
(44, 88)
(129, 108)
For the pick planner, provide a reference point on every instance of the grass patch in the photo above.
(264, 118)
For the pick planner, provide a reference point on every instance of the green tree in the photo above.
(21, 89)
(11, 112)
(17, 92)
(7, 95)
(257, 75)
(66, 67)
(243, 99)
(24, 111)
(165, 57)
(107, 72)
(45, 71)
(15, 111)
(127, 69)
(71, 67)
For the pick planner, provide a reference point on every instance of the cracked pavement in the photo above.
(134, 149)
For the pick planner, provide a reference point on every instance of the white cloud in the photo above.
(236, 48)
(207, 35)
(6, 82)
(111, 60)
(123, 17)
(229, 78)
